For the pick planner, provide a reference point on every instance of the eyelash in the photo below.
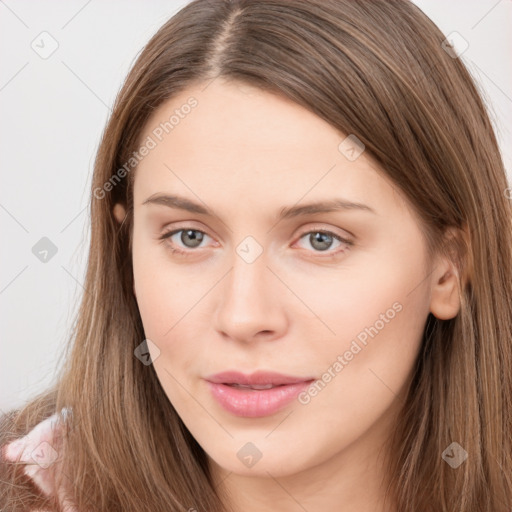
(165, 236)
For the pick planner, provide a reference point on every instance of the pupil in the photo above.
(320, 241)
(194, 236)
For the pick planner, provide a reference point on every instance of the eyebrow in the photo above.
(182, 203)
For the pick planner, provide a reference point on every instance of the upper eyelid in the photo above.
(171, 232)
(314, 228)
(305, 232)
(323, 230)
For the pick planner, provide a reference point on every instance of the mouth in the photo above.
(256, 379)
(256, 395)
(254, 387)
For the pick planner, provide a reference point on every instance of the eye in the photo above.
(190, 238)
(322, 241)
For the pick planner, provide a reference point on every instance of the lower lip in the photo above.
(256, 403)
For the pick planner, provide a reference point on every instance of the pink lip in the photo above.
(255, 403)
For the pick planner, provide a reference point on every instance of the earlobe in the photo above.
(119, 212)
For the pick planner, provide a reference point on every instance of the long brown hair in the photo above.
(374, 69)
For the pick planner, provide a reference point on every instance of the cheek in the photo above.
(374, 317)
(363, 371)
(380, 322)
(368, 384)
(163, 292)
(166, 296)
(362, 291)
(162, 307)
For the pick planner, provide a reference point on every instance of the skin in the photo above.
(247, 154)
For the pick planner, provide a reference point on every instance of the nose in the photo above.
(251, 303)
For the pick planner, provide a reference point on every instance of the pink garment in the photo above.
(39, 451)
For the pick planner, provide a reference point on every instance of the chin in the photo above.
(245, 460)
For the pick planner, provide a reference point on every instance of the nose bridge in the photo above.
(248, 302)
(246, 281)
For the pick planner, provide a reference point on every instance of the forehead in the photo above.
(240, 118)
(231, 139)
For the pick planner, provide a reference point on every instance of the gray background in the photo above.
(52, 113)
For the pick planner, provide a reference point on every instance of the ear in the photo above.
(445, 299)
(119, 212)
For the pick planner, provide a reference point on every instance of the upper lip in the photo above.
(258, 378)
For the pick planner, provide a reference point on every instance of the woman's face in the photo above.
(334, 297)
